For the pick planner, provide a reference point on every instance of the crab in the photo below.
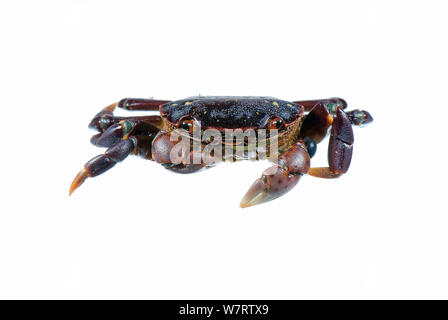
(297, 126)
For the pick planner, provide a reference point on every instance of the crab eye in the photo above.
(276, 123)
(187, 124)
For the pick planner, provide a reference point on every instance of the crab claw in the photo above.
(273, 183)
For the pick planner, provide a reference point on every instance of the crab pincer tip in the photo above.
(255, 195)
(79, 180)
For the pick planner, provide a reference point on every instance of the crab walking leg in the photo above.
(122, 130)
(279, 179)
(140, 145)
(103, 162)
(144, 146)
(106, 118)
(309, 105)
(340, 148)
(322, 115)
(316, 123)
(359, 117)
(102, 123)
(141, 104)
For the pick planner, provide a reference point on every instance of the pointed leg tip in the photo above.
(367, 118)
(111, 107)
(79, 180)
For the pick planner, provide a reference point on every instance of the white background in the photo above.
(142, 232)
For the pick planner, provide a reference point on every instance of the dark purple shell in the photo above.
(231, 112)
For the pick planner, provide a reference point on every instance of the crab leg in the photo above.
(140, 145)
(279, 179)
(101, 163)
(359, 117)
(123, 129)
(141, 104)
(105, 118)
(122, 139)
(309, 105)
(316, 123)
(340, 147)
